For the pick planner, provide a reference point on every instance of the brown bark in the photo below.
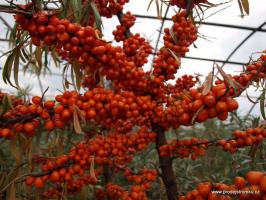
(167, 171)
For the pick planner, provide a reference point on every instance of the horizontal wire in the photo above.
(248, 28)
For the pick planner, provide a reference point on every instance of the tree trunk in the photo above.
(168, 174)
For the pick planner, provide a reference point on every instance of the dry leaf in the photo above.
(15, 151)
(92, 172)
(196, 114)
(245, 5)
(80, 114)
(232, 83)
(208, 84)
(175, 56)
(12, 192)
(76, 122)
(241, 8)
(175, 39)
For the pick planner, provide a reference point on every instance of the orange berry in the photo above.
(36, 100)
(49, 125)
(30, 180)
(222, 116)
(49, 104)
(204, 189)
(231, 104)
(239, 182)
(203, 115)
(38, 183)
(262, 183)
(29, 127)
(209, 100)
(66, 114)
(185, 118)
(59, 109)
(197, 104)
(91, 113)
(55, 176)
(221, 107)
(254, 177)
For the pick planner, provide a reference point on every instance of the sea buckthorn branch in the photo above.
(121, 17)
(126, 110)
(192, 106)
(69, 44)
(139, 98)
(141, 182)
(165, 162)
(253, 186)
(195, 147)
(61, 169)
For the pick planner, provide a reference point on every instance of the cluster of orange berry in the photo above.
(106, 107)
(137, 192)
(195, 105)
(183, 108)
(22, 118)
(137, 49)
(193, 147)
(78, 44)
(73, 185)
(254, 72)
(184, 3)
(164, 67)
(100, 105)
(186, 82)
(251, 188)
(114, 149)
(114, 191)
(127, 21)
(145, 175)
(249, 137)
(182, 34)
(108, 8)
(176, 41)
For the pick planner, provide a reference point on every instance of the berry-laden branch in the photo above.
(251, 187)
(195, 147)
(136, 112)
(78, 169)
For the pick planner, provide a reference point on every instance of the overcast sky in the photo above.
(223, 41)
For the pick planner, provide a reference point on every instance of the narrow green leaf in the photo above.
(77, 76)
(97, 16)
(5, 104)
(16, 68)
(75, 4)
(25, 54)
(262, 104)
(7, 69)
(86, 14)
